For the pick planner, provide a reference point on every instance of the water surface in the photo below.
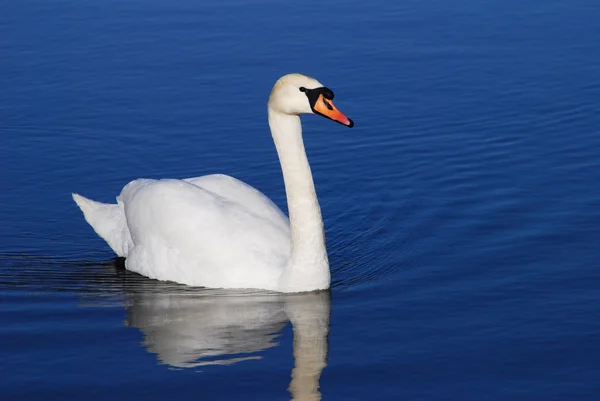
(462, 212)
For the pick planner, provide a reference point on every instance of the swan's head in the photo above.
(298, 94)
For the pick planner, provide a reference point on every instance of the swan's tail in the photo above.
(108, 220)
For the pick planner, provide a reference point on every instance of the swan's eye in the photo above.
(329, 106)
(302, 89)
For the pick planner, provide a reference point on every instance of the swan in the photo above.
(218, 232)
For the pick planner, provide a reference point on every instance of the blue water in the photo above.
(462, 212)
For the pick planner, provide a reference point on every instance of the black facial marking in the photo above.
(313, 95)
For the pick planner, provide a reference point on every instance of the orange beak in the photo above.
(326, 108)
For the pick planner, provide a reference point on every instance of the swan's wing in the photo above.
(186, 233)
(237, 191)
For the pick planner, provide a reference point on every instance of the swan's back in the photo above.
(238, 191)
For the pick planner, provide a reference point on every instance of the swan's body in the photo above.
(169, 229)
(216, 231)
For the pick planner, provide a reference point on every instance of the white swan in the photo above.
(215, 231)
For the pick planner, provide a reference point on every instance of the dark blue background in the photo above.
(462, 212)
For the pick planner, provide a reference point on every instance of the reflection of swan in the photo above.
(188, 329)
(216, 231)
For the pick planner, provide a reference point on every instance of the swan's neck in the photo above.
(308, 266)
